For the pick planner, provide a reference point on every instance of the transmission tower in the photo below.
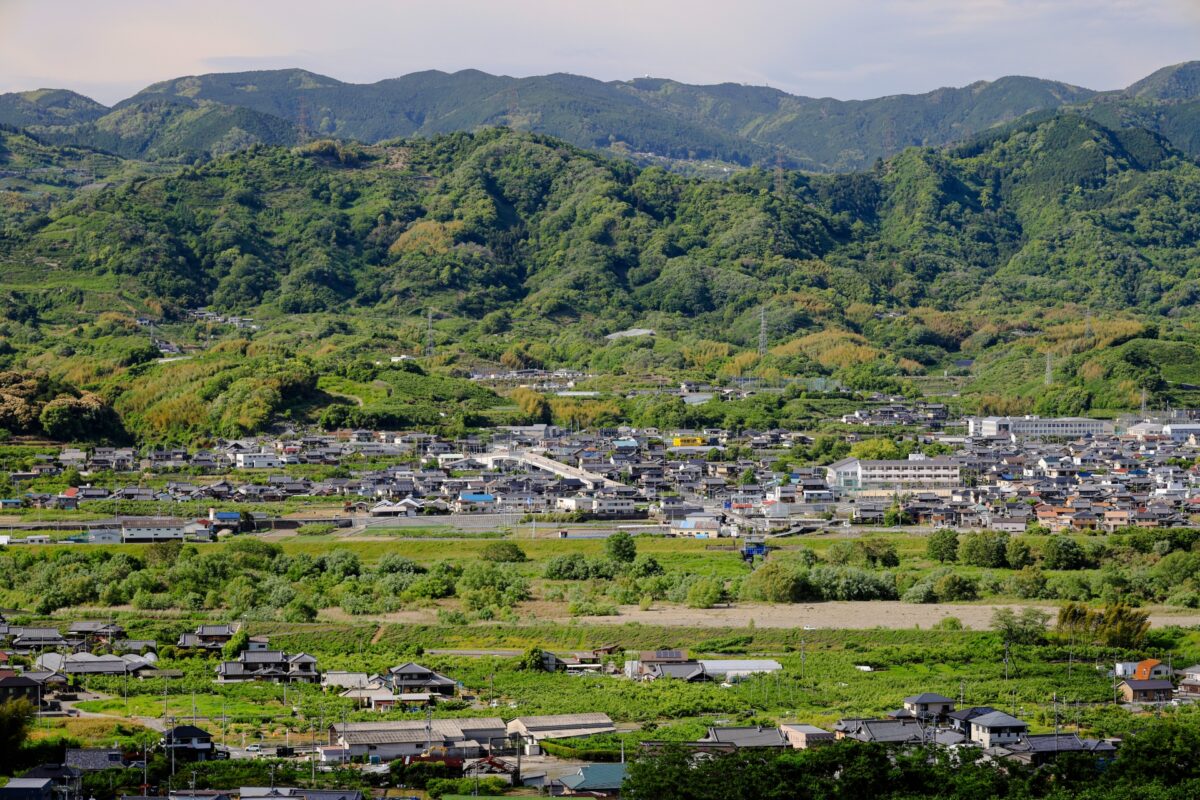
(429, 333)
(1088, 333)
(779, 176)
(1049, 379)
(303, 125)
(762, 331)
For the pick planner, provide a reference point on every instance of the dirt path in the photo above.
(378, 634)
(845, 615)
(852, 615)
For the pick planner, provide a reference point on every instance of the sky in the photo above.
(848, 49)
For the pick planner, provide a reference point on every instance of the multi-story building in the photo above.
(854, 474)
(1038, 427)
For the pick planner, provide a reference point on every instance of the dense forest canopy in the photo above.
(1055, 235)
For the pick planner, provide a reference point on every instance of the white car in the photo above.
(254, 748)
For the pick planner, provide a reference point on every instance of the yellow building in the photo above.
(689, 441)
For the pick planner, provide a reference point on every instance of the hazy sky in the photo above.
(839, 48)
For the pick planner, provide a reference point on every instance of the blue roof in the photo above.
(596, 777)
(228, 515)
(476, 498)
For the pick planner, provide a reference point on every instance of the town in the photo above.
(1006, 474)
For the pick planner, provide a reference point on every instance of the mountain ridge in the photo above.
(645, 118)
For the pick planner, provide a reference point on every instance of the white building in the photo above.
(1181, 431)
(152, 529)
(996, 728)
(917, 472)
(258, 461)
(1037, 427)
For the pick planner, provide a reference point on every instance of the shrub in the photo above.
(645, 566)
(505, 552)
(704, 593)
(775, 582)
(952, 587)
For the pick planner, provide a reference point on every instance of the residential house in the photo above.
(749, 737)
(94, 759)
(89, 664)
(928, 705)
(412, 678)
(995, 728)
(189, 743)
(27, 789)
(96, 632)
(14, 687)
(208, 637)
(269, 665)
(461, 737)
(594, 780)
(1157, 690)
(802, 737)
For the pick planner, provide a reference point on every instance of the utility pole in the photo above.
(429, 333)
(1056, 722)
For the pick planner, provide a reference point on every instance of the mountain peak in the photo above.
(1176, 82)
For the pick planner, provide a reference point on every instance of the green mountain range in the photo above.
(651, 120)
(1053, 237)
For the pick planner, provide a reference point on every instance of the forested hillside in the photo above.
(1056, 235)
(685, 126)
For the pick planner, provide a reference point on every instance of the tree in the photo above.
(16, 717)
(895, 516)
(1059, 552)
(875, 551)
(1018, 553)
(533, 660)
(239, 642)
(1026, 627)
(876, 450)
(942, 546)
(983, 549)
(621, 547)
